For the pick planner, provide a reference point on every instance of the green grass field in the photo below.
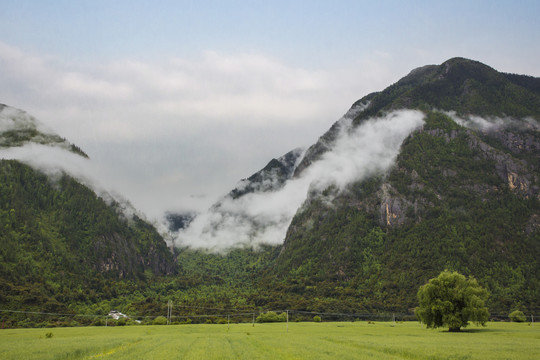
(358, 340)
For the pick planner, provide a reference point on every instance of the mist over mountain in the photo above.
(463, 89)
(24, 138)
(463, 194)
(260, 209)
(18, 128)
(440, 170)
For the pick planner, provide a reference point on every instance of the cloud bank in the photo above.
(263, 217)
(182, 131)
(124, 100)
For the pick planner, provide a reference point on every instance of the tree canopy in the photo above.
(452, 300)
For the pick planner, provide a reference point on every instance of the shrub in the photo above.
(271, 316)
(517, 316)
(316, 318)
(160, 320)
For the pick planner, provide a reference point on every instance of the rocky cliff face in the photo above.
(513, 170)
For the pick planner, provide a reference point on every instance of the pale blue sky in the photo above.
(309, 33)
(180, 99)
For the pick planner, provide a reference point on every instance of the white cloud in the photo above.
(79, 84)
(492, 123)
(263, 218)
(55, 160)
(214, 117)
(124, 100)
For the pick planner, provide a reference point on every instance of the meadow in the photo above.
(344, 340)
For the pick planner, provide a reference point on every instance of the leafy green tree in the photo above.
(451, 300)
(517, 316)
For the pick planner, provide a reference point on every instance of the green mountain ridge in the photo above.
(458, 198)
(464, 195)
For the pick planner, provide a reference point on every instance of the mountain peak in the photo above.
(18, 128)
(465, 86)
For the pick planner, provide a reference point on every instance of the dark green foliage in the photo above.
(456, 211)
(24, 130)
(19, 137)
(451, 300)
(61, 244)
(447, 204)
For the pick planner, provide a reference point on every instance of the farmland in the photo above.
(347, 340)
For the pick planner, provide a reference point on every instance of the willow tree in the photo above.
(452, 300)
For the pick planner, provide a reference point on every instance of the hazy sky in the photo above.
(175, 101)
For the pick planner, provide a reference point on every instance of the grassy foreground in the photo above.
(357, 340)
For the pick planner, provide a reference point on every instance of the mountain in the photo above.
(460, 192)
(272, 177)
(440, 170)
(464, 86)
(59, 238)
(463, 194)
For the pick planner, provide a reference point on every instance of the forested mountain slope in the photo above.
(59, 241)
(464, 195)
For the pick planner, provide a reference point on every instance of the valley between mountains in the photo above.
(440, 170)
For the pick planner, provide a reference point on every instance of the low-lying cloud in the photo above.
(55, 161)
(492, 123)
(263, 217)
